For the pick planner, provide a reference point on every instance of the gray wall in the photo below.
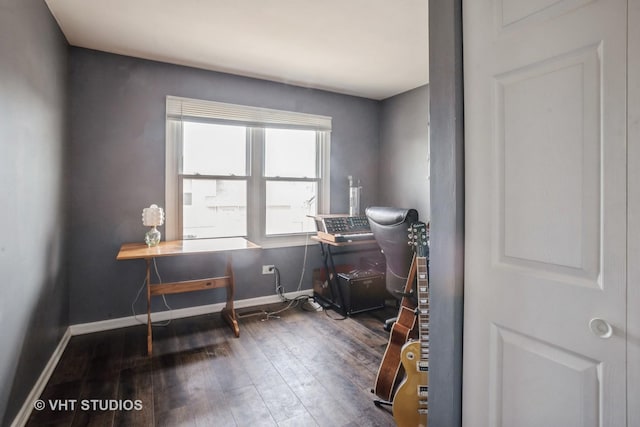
(117, 166)
(33, 302)
(404, 151)
(446, 268)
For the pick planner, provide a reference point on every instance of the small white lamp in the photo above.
(152, 216)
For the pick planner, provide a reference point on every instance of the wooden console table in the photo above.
(188, 247)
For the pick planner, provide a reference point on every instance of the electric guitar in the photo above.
(411, 402)
(402, 329)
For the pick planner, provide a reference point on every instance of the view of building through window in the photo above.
(217, 183)
(290, 154)
(214, 208)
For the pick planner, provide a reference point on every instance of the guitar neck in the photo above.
(423, 306)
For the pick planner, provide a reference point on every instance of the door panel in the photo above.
(546, 214)
(542, 135)
(510, 14)
(570, 396)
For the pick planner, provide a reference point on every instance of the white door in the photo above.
(545, 86)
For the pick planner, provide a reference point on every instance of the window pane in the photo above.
(211, 149)
(217, 208)
(290, 153)
(288, 204)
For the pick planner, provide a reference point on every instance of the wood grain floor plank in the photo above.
(305, 420)
(136, 388)
(300, 369)
(65, 392)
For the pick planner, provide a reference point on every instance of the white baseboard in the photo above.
(163, 316)
(24, 413)
(85, 328)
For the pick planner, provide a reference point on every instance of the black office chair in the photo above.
(390, 228)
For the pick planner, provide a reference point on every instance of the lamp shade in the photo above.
(152, 216)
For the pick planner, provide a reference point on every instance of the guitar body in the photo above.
(389, 370)
(411, 400)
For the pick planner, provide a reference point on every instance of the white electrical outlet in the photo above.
(267, 269)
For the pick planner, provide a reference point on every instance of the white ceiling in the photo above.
(369, 48)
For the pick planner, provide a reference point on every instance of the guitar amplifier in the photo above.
(362, 290)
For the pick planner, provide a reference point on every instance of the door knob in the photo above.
(600, 327)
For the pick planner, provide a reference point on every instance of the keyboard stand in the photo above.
(336, 301)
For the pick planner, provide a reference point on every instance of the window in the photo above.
(244, 171)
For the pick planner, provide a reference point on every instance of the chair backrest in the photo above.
(390, 228)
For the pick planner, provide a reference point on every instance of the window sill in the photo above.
(285, 241)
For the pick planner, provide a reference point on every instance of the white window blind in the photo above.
(185, 108)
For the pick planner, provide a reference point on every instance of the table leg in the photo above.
(149, 337)
(229, 313)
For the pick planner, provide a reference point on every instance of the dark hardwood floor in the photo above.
(302, 369)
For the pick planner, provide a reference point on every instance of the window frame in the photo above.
(256, 119)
